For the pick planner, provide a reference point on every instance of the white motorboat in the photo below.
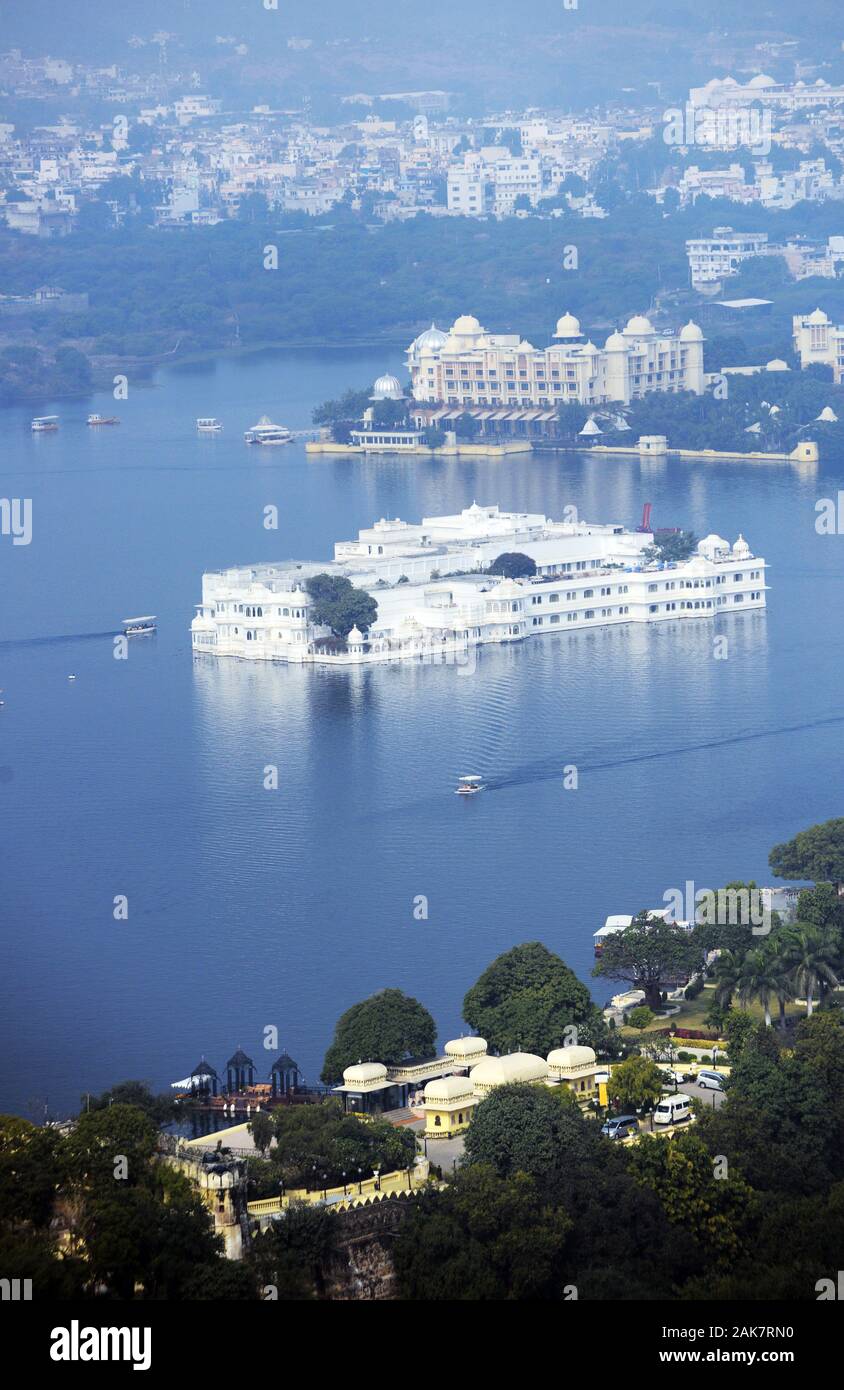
(265, 432)
(44, 424)
(103, 420)
(206, 424)
(135, 627)
(470, 786)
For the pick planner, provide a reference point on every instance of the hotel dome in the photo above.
(364, 1074)
(448, 1088)
(507, 1071)
(615, 343)
(568, 327)
(571, 1057)
(431, 340)
(467, 326)
(741, 550)
(691, 333)
(465, 1051)
(387, 388)
(639, 325)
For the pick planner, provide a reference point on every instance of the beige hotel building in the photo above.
(469, 366)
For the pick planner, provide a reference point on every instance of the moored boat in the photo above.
(44, 424)
(265, 432)
(207, 424)
(103, 420)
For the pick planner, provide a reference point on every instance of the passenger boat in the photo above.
(265, 432)
(103, 420)
(44, 424)
(134, 627)
(206, 424)
(470, 786)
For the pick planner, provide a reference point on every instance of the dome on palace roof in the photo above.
(639, 325)
(817, 316)
(591, 427)
(691, 332)
(240, 1059)
(364, 1072)
(776, 364)
(614, 342)
(507, 1071)
(431, 340)
(762, 80)
(508, 588)
(460, 1048)
(465, 325)
(741, 550)
(571, 1057)
(828, 415)
(567, 327)
(448, 1088)
(387, 388)
(355, 637)
(712, 545)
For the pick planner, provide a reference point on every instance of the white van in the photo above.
(672, 1110)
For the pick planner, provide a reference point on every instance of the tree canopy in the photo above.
(339, 605)
(816, 853)
(647, 953)
(512, 564)
(388, 1027)
(527, 999)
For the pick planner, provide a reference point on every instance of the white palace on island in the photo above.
(434, 597)
(469, 366)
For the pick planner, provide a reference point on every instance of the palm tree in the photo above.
(759, 977)
(727, 975)
(812, 952)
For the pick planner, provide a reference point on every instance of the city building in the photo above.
(470, 366)
(436, 600)
(713, 259)
(817, 339)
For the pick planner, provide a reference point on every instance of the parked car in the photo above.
(710, 1080)
(619, 1126)
(672, 1110)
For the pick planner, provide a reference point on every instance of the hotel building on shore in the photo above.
(817, 339)
(469, 366)
(436, 601)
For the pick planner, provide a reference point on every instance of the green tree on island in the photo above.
(339, 605)
(527, 999)
(388, 1027)
(512, 564)
(648, 952)
(816, 854)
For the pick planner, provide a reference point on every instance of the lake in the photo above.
(249, 908)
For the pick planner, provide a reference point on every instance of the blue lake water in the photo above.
(250, 908)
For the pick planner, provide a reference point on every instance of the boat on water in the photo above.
(135, 627)
(44, 424)
(207, 424)
(470, 786)
(103, 420)
(265, 432)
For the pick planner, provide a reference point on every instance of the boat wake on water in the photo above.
(548, 772)
(53, 641)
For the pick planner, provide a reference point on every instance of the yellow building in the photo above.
(575, 1067)
(448, 1106)
(507, 1071)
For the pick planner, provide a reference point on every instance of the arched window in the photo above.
(437, 1122)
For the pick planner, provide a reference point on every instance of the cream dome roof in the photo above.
(614, 342)
(448, 1088)
(571, 1057)
(365, 1071)
(466, 324)
(817, 316)
(639, 324)
(465, 1047)
(506, 1071)
(567, 327)
(691, 332)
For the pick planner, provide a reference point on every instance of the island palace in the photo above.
(435, 599)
